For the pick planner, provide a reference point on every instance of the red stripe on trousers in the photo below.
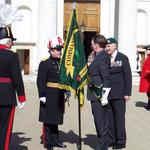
(5, 80)
(9, 129)
(43, 136)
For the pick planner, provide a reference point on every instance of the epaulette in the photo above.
(44, 59)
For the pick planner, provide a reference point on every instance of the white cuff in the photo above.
(105, 92)
(21, 105)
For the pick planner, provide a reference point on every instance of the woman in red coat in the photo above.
(145, 76)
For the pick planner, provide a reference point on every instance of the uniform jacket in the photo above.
(145, 77)
(10, 68)
(121, 78)
(99, 73)
(52, 111)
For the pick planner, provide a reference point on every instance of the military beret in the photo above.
(111, 41)
(147, 47)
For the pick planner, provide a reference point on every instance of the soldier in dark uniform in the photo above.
(51, 96)
(99, 74)
(10, 83)
(121, 84)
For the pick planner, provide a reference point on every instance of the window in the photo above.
(142, 27)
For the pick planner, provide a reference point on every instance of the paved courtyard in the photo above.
(27, 129)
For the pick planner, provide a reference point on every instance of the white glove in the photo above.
(43, 99)
(104, 101)
(21, 105)
(105, 93)
(68, 94)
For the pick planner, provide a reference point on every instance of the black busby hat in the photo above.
(8, 15)
(5, 32)
(147, 47)
(111, 41)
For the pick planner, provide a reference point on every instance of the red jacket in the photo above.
(145, 77)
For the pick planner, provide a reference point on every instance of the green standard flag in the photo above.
(73, 64)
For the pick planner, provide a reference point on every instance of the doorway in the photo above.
(88, 14)
(24, 61)
(87, 42)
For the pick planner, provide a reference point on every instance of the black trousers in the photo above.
(117, 131)
(6, 124)
(50, 135)
(100, 114)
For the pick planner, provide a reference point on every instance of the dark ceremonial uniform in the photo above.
(10, 83)
(51, 113)
(99, 73)
(121, 84)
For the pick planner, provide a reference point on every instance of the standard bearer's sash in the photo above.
(97, 90)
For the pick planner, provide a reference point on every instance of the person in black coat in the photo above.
(51, 95)
(10, 83)
(99, 75)
(121, 84)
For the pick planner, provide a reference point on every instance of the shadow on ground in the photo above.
(17, 140)
(90, 140)
(69, 137)
(73, 138)
(140, 104)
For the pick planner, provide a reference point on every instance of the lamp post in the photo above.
(82, 29)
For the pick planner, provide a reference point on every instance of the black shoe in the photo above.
(61, 145)
(147, 107)
(119, 146)
(111, 144)
(49, 148)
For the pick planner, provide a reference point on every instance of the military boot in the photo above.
(148, 105)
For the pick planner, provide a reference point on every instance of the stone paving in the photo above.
(27, 129)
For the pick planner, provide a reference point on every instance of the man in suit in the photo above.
(99, 75)
(121, 84)
(10, 83)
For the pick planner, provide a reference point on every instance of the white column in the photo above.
(107, 17)
(127, 30)
(60, 17)
(47, 25)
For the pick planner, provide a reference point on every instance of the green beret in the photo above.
(111, 41)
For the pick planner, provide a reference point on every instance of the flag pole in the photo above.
(79, 109)
(79, 121)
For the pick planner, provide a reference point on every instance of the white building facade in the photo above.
(126, 20)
